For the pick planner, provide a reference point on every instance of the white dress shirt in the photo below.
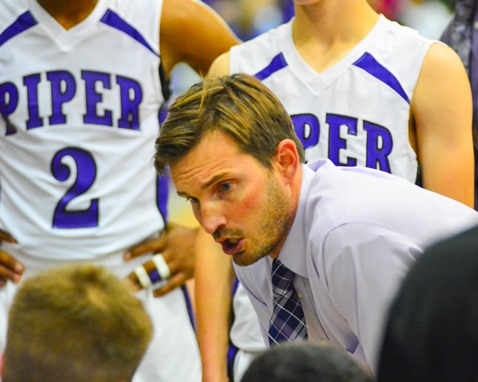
(356, 233)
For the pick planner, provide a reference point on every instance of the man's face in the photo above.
(245, 206)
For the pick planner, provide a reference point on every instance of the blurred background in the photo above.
(249, 18)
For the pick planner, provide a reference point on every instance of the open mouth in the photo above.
(232, 246)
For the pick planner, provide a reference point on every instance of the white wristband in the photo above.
(143, 277)
(161, 266)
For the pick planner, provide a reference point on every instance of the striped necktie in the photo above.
(287, 322)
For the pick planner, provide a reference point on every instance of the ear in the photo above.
(287, 159)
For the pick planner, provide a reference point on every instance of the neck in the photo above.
(324, 19)
(327, 30)
(68, 13)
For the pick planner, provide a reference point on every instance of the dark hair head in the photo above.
(305, 362)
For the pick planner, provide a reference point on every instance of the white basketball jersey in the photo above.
(354, 113)
(79, 117)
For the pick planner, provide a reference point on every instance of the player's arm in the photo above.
(193, 33)
(442, 112)
(214, 277)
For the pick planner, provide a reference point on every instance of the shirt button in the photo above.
(300, 295)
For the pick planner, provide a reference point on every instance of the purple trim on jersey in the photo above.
(162, 195)
(277, 63)
(21, 24)
(231, 357)
(233, 350)
(234, 287)
(112, 19)
(368, 63)
(189, 306)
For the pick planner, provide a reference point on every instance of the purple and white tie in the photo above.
(287, 322)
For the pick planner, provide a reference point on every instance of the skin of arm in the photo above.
(191, 32)
(442, 115)
(214, 278)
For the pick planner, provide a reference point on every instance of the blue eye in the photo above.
(224, 187)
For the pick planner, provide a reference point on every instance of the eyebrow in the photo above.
(213, 180)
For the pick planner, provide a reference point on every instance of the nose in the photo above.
(211, 218)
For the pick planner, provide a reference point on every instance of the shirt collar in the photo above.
(294, 251)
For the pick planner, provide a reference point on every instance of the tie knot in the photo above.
(282, 276)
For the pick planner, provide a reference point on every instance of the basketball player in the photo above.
(81, 86)
(361, 90)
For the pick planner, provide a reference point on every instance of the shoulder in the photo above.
(392, 38)
(253, 55)
(10, 11)
(440, 56)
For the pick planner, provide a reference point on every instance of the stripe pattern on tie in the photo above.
(287, 322)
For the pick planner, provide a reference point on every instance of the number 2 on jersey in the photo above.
(64, 217)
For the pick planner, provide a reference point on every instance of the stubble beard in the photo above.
(277, 217)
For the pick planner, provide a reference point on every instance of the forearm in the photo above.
(213, 292)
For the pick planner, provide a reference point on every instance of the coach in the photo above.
(320, 249)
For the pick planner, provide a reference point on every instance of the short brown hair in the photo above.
(238, 105)
(75, 323)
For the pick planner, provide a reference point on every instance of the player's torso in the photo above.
(80, 115)
(354, 113)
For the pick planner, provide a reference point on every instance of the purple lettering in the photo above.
(63, 89)
(131, 97)
(336, 142)
(93, 98)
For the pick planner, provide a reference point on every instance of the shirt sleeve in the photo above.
(364, 265)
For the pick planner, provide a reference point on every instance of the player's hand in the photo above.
(10, 268)
(176, 245)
